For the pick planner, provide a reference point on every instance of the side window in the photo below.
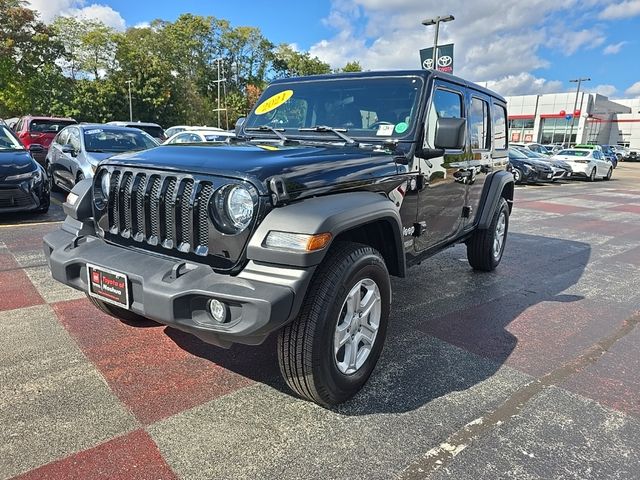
(479, 124)
(74, 138)
(63, 138)
(18, 127)
(445, 104)
(499, 127)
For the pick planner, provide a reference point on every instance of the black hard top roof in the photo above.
(425, 74)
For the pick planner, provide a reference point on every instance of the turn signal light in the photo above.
(297, 241)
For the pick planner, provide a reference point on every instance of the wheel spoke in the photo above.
(351, 356)
(342, 336)
(368, 333)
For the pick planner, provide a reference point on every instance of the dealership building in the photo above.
(552, 118)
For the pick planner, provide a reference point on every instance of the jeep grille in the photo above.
(160, 209)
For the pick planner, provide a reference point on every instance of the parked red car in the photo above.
(41, 131)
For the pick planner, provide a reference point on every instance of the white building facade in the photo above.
(552, 118)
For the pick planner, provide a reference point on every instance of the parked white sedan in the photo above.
(200, 136)
(585, 163)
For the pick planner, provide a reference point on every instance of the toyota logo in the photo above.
(428, 63)
(445, 61)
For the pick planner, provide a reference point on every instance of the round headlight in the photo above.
(105, 183)
(232, 208)
(239, 207)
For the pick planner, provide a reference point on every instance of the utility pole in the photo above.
(575, 105)
(436, 21)
(220, 81)
(129, 82)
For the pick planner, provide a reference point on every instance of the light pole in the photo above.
(129, 82)
(575, 105)
(436, 21)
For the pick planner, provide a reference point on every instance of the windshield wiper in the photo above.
(337, 131)
(267, 128)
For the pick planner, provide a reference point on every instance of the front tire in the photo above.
(328, 352)
(485, 247)
(517, 175)
(120, 313)
(609, 173)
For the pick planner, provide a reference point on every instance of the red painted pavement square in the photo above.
(516, 329)
(606, 198)
(26, 237)
(602, 227)
(133, 456)
(614, 379)
(7, 262)
(550, 207)
(143, 365)
(17, 291)
(630, 208)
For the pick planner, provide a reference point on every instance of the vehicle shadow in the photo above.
(437, 343)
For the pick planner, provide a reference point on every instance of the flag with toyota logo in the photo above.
(444, 58)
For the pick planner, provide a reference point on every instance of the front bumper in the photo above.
(25, 195)
(175, 292)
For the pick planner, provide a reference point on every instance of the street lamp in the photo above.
(436, 21)
(575, 105)
(129, 82)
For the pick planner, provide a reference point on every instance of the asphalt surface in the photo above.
(529, 372)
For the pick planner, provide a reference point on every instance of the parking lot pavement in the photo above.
(530, 371)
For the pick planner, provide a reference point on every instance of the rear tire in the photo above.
(120, 313)
(592, 175)
(328, 352)
(485, 247)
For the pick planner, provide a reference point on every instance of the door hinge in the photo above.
(466, 211)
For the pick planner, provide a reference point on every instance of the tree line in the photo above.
(83, 69)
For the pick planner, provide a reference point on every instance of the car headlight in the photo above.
(232, 208)
(528, 167)
(101, 189)
(36, 175)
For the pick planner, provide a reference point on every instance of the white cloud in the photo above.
(613, 48)
(142, 25)
(523, 84)
(605, 89)
(495, 41)
(627, 9)
(633, 90)
(49, 9)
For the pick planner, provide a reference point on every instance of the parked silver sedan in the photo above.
(76, 151)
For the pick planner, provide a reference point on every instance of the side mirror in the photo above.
(69, 149)
(239, 124)
(450, 133)
(36, 148)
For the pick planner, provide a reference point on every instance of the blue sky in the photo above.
(515, 47)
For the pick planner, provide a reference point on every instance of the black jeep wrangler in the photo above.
(333, 184)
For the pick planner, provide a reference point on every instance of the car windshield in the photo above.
(8, 140)
(574, 153)
(516, 154)
(377, 107)
(216, 138)
(116, 140)
(49, 126)
(155, 132)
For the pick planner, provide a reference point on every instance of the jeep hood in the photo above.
(302, 167)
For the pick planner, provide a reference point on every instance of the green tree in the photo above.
(288, 62)
(352, 67)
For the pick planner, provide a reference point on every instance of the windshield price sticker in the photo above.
(273, 102)
(91, 132)
(385, 130)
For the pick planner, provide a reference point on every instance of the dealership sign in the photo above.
(444, 59)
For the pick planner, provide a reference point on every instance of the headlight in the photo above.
(36, 175)
(233, 207)
(528, 167)
(101, 189)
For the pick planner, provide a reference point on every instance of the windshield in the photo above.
(49, 126)
(574, 153)
(383, 107)
(155, 132)
(116, 140)
(516, 154)
(8, 141)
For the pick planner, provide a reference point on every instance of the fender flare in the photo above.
(332, 213)
(491, 197)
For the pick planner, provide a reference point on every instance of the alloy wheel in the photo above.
(498, 238)
(357, 326)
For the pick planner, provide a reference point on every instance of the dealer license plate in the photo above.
(108, 286)
(549, 175)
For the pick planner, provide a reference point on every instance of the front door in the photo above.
(441, 201)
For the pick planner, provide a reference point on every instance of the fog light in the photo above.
(217, 310)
